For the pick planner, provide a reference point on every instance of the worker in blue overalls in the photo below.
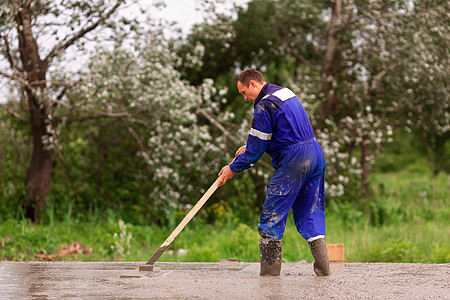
(282, 128)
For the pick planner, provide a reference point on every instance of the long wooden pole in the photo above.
(180, 226)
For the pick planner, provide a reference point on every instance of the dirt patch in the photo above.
(65, 250)
(224, 280)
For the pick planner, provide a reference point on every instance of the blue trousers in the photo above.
(298, 184)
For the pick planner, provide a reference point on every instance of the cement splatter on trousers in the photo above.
(298, 184)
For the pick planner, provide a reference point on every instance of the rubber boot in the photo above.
(270, 257)
(321, 260)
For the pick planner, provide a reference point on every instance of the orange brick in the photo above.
(335, 252)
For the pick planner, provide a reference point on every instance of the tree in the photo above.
(341, 57)
(35, 37)
(415, 80)
(165, 116)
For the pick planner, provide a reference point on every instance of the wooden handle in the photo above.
(184, 222)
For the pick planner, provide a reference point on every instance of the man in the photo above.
(282, 128)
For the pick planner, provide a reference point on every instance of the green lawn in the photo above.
(407, 222)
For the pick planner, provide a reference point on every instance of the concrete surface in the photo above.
(222, 280)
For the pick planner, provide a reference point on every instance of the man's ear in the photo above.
(252, 83)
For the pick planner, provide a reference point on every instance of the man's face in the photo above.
(251, 92)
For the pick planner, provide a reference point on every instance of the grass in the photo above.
(407, 222)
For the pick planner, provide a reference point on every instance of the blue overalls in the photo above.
(282, 128)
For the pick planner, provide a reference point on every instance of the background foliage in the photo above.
(140, 130)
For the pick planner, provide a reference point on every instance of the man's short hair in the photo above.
(250, 74)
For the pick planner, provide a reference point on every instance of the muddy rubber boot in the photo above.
(321, 260)
(270, 257)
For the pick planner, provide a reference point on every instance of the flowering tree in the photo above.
(346, 60)
(368, 62)
(165, 115)
(414, 84)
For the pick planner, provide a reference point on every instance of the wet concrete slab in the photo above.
(222, 280)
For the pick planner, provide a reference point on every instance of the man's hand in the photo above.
(240, 150)
(225, 174)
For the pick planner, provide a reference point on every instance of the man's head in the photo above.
(249, 84)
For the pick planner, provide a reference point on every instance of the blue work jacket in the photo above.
(279, 122)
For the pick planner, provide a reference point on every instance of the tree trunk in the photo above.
(39, 170)
(38, 174)
(329, 63)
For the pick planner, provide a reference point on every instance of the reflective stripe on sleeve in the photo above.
(261, 135)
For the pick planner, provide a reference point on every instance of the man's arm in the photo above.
(258, 139)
